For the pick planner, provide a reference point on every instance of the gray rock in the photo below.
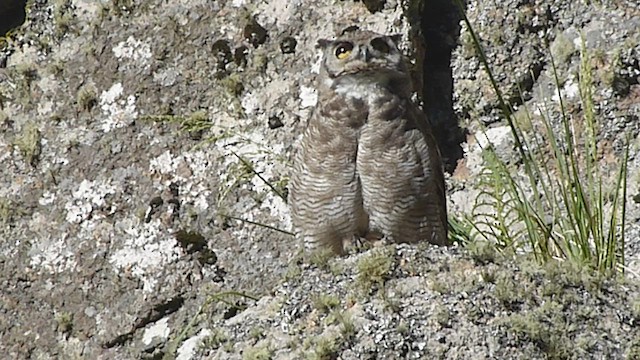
(134, 224)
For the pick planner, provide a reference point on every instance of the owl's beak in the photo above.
(364, 54)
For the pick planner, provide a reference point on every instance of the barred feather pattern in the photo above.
(367, 162)
(325, 192)
(401, 174)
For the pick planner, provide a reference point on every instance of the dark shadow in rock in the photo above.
(435, 31)
(12, 14)
(154, 314)
(194, 242)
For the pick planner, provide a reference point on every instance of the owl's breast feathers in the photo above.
(350, 111)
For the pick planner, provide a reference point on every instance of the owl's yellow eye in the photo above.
(343, 50)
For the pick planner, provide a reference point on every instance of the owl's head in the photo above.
(362, 53)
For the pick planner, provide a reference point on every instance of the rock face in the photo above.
(407, 303)
(144, 151)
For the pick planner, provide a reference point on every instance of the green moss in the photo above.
(442, 316)
(325, 348)
(488, 276)
(197, 121)
(228, 347)
(562, 49)
(63, 17)
(635, 309)
(336, 268)
(508, 291)
(571, 274)
(293, 273)
(257, 332)
(259, 62)
(55, 67)
(633, 352)
(233, 84)
(64, 322)
(482, 252)
(347, 326)
(87, 98)
(214, 340)
(325, 302)
(341, 318)
(546, 327)
(523, 119)
(374, 268)
(6, 208)
(439, 286)
(403, 328)
(28, 142)
(467, 44)
(320, 257)
(262, 352)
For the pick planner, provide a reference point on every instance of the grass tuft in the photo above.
(29, 143)
(562, 204)
(374, 269)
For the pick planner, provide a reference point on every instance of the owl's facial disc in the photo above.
(376, 48)
(365, 55)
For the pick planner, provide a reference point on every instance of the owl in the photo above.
(367, 165)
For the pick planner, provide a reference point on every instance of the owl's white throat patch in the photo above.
(355, 87)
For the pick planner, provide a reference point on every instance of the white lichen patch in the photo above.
(146, 250)
(250, 103)
(72, 347)
(570, 91)
(26, 54)
(317, 64)
(47, 198)
(48, 84)
(497, 136)
(89, 196)
(118, 110)
(164, 164)
(45, 108)
(160, 329)
(278, 209)
(88, 8)
(255, 103)
(182, 169)
(187, 350)
(274, 13)
(136, 52)
(52, 255)
(166, 77)
(308, 97)
(6, 150)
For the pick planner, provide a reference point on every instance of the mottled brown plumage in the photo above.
(367, 162)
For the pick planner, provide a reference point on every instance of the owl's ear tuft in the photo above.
(349, 29)
(323, 43)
